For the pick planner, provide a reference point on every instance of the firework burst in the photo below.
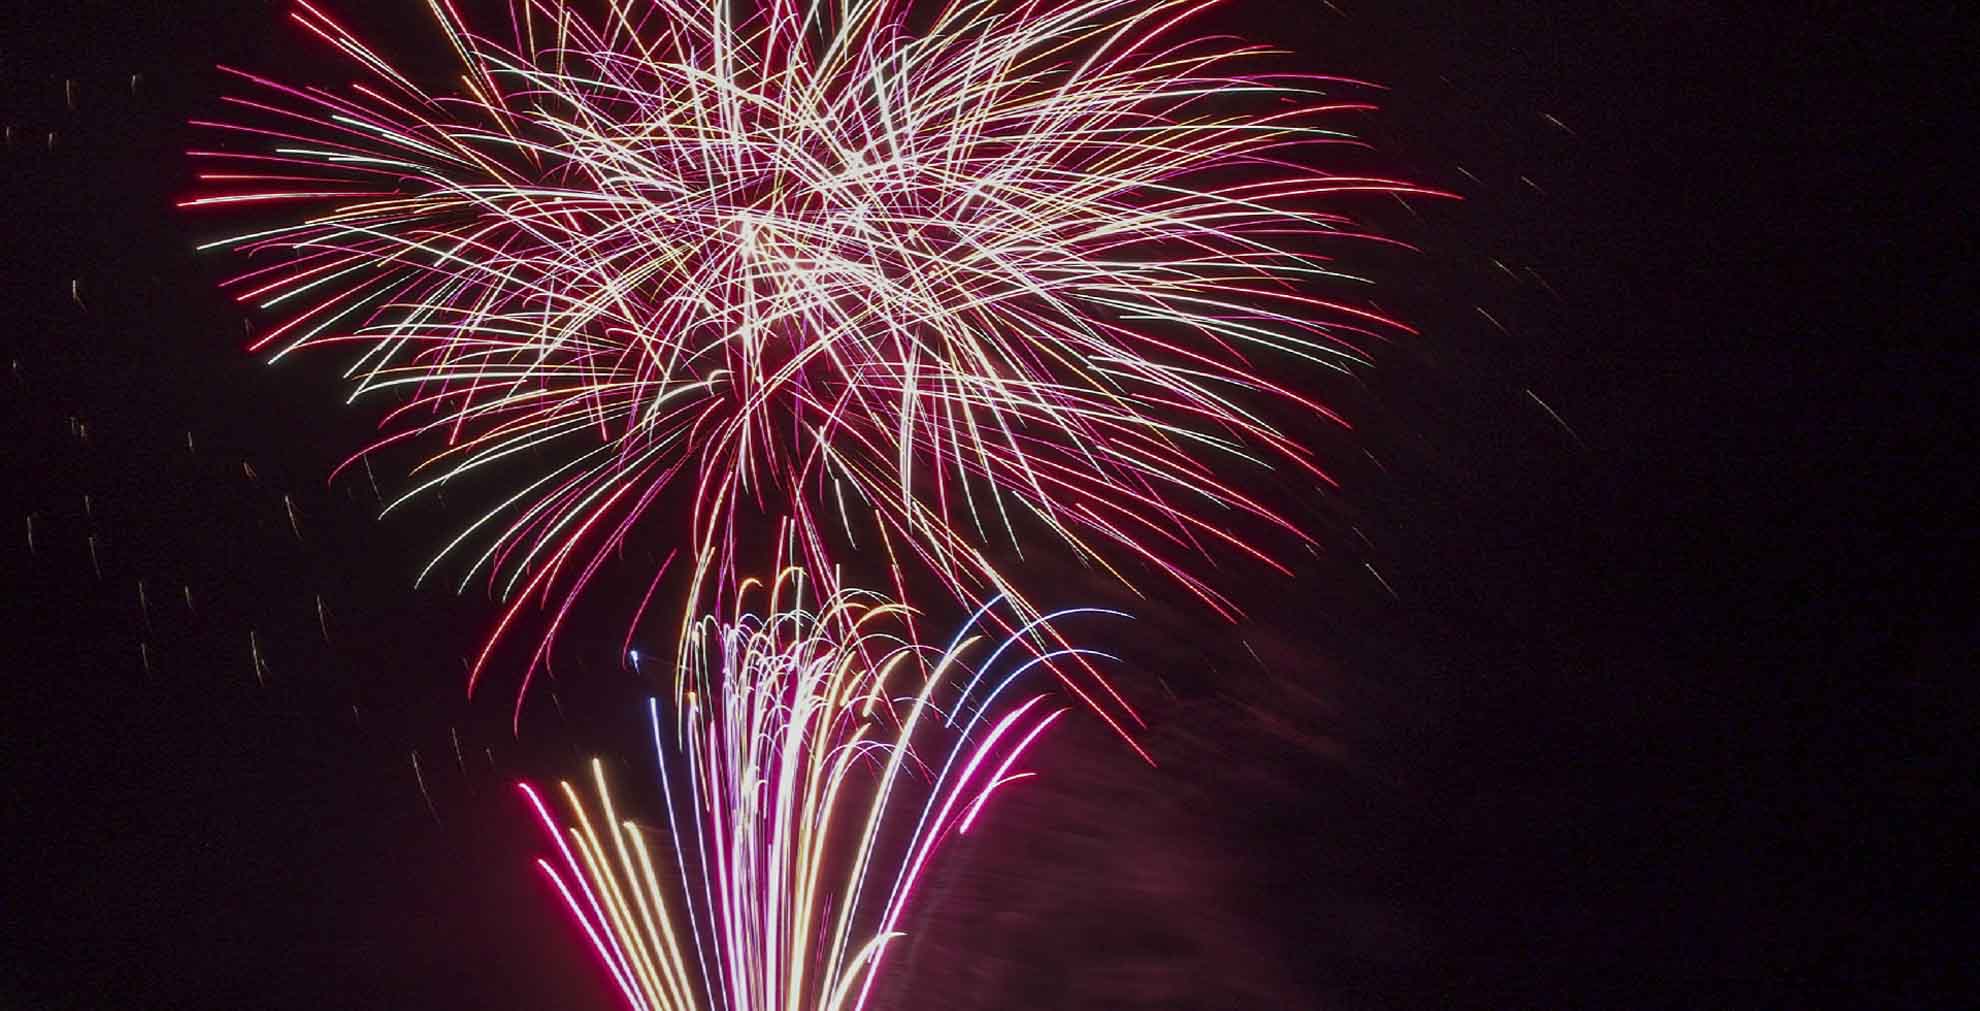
(819, 760)
(923, 278)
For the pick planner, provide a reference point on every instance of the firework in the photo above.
(920, 280)
(813, 762)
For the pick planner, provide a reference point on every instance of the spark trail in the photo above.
(812, 765)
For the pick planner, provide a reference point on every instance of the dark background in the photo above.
(1666, 704)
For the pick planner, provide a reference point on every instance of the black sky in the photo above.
(1667, 708)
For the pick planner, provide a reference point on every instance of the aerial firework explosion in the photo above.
(811, 787)
(920, 279)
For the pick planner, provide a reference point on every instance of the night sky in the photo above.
(1656, 699)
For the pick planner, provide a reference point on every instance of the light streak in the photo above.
(807, 738)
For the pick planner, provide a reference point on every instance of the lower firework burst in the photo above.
(812, 765)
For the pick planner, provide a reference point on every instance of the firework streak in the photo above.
(918, 276)
(810, 788)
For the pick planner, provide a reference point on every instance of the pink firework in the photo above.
(932, 283)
